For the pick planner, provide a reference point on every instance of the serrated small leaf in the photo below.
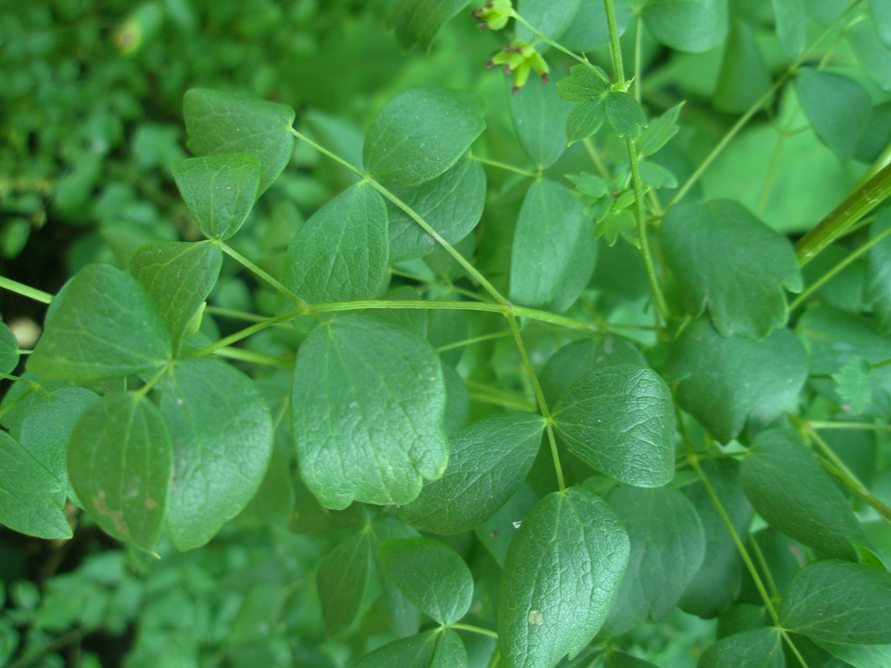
(223, 123)
(656, 176)
(487, 463)
(584, 120)
(659, 131)
(9, 350)
(421, 133)
(581, 85)
(419, 21)
(744, 292)
(854, 384)
(760, 648)
(726, 382)
(667, 550)
(120, 462)
(342, 579)
(551, 221)
(219, 190)
(452, 203)
(620, 420)
(838, 601)
(562, 572)
(687, 25)
(540, 118)
(31, 497)
(790, 490)
(790, 24)
(368, 409)
(221, 431)
(837, 107)
(341, 252)
(101, 325)
(431, 575)
(179, 276)
(624, 114)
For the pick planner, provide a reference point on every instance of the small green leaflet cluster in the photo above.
(128, 411)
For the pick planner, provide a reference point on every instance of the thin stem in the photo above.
(820, 425)
(638, 51)
(765, 568)
(474, 629)
(145, 389)
(756, 106)
(408, 305)
(329, 154)
(254, 357)
(539, 397)
(503, 165)
(25, 290)
(858, 204)
(615, 46)
(472, 340)
(497, 396)
(832, 273)
(591, 150)
(235, 315)
(245, 333)
(263, 275)
(771, 171)
(562, 49)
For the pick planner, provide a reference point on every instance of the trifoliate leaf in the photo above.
(728, 261)
(563, 570)
(620, 420)
(421, 133)
(223, 123)
(341, 252)
(368, 410)
(102, 324)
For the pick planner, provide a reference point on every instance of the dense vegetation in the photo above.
(327, 345)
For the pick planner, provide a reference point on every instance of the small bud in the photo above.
(493, 15)
(520, 59)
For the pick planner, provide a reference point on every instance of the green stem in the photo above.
(615, 46)
(591, 150)
(235, 315)
(825, 278)
(494, 395)
(246, 332)
(638, 51)
(25, 290)
(263, 275)
(539, 397)
(765, 568)
(562, 49)
(820, 425)
(472, 340)
(474, 629)
(858, 204)
(244, 355)
(503, 165)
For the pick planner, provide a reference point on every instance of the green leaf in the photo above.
(744, 75)
(120, 461)
(582, 85)
(760, 648)
(727, 382)
(419, 21)
(550, 18)
(9, 350)
(621, 660)
(620, 420)
(420, 133)
(31, 497)
(839, 602)
(657, 176)
(790, 490)
(550, 223)
(790, 24)
(625, 114)
(450, 651)
(487, 463)
(179, 276)
(341, 252)
(220, 123)
(368, 409)
(575, 360)
(101, 325)
(497, 532)
(659, 131)
(744, 291)
(584, 120)
(687, 25)
(413, 652)
(837, 107)
(859, 656)
(222, 441)
(430, 575)
(667, 550)
(342, 581)
(540, 119)
(219, 190)
(881, 16)
(879, 270)
(562, 572)
(452, 203)
(717, 583)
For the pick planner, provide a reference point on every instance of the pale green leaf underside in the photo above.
(562, 572)
(760, 648)
(219, 123)
(31, 497)
(793, 493)
(341, 252)
(431, 575)
(620, 420)
(342, 579)
(120, 462)
(487, 463)
(219, 190)
(179, 276)
(368, 410)
(102, 324)
(728, 261)
(221, 431)
(420, 133)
